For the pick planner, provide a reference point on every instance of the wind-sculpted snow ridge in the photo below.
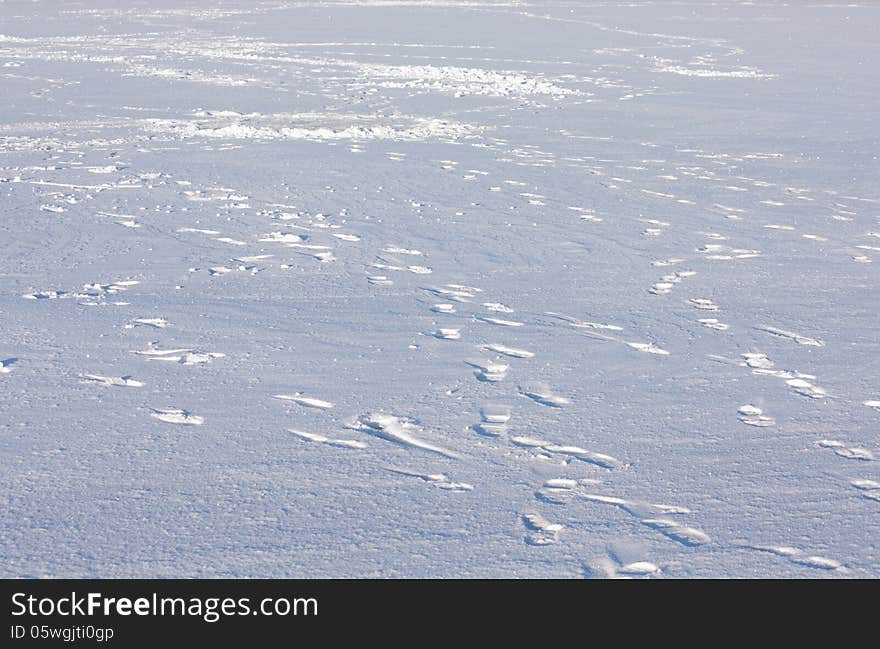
(399, 430)
(710, 73)
(462, 81)
(214, 13)
(202, 55)
(312, 126)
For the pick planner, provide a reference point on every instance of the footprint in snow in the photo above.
(541, 393)
(540, 530)
(494, 420)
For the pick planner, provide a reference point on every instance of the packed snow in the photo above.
(439, 288)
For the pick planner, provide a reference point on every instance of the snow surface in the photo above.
(434, 288)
